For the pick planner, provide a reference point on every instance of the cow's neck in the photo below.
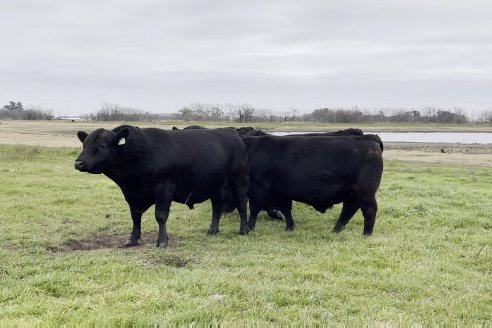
(115, 176)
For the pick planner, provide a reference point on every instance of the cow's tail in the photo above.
(377, 139)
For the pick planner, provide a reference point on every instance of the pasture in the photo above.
(428, 262)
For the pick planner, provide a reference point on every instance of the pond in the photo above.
(431, 137)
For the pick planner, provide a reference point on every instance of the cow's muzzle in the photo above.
(79, 165)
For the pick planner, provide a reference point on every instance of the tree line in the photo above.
(246, 113)
(427, 115)
(113, 112)
(16, 111)
(243, 113)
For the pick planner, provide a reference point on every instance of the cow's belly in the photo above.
(196, 191)
(321, 204)
(190, 198)
(319, 196)
(139, 199)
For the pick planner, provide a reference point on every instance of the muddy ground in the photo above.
(107, 240)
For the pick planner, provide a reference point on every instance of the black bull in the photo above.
(317, 171)
(154, 166)
(243, 132)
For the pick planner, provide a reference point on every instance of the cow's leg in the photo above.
(254, 209)
(162, 207)
(242, 209)
(349, 208)
(369, 208)
(286, 208)
(240, 184)
(136, 231)
(161, 215)
(217, 201)
(259, 199)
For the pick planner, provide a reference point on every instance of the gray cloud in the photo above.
(160, 55)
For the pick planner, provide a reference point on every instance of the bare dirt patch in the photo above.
(52, 133)
(444, 148)
(458, 154)
(106, 240)
(484, 160)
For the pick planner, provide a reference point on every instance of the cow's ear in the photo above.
(175, 128)
(82, 135)
(122, 136)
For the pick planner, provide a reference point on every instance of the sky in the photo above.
(161, 55)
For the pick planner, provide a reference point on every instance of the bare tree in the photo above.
(14, 107)
(114, 112)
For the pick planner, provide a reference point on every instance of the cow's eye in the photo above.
(102, 146)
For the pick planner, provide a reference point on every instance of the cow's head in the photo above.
(99, 150)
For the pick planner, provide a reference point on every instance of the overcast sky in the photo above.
(161, 55)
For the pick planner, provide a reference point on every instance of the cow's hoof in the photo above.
(337, 229)
(367, 233)
(289, 228)
(244, 230)
(131, 242)
(212, 232)
(251, 227)
(161, 244)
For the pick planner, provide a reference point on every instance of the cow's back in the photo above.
(187, 148)
(344, 153)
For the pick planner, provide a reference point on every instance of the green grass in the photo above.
(429, 260)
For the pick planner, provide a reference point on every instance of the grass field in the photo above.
(429, 260)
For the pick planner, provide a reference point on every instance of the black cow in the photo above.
(249, 131)
(273, 212)
(154, 166)
(318, 171)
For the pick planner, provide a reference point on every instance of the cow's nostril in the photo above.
(79, 164)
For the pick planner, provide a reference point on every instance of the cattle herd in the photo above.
(231, 166)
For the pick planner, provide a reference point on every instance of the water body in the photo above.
(431, 137)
